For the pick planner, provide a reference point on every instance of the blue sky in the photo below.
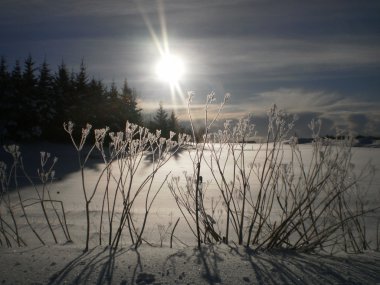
(314, 58)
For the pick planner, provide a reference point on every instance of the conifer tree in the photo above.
(112, 109)
(15, 90)
(63, 93)
(16, 75)
(97, 101)
(62, 79)
(129, 100)
(80, 107)
(45, 79)
(4, 97)
(36, 102)
(173, 124)
(47, 101)
(28, 75)
(113, 93)
(4, 79)
(161, 121)
(33, 106)
(4, 74)
(15, 102)
(81, 79)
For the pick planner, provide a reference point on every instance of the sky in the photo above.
(316, 59)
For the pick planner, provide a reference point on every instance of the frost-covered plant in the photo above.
(192, 194)
(8, 229)
(88, 195)
(272, 195)
(313, 197)
(10, 181)
(123, 158)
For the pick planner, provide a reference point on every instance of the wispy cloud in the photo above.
(340, 111)
(309, 57)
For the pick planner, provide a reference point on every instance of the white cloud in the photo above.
(279, 58)
(341, 110)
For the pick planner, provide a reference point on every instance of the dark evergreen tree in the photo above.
(14, 107)
(34, 102)
(30, 123)
(97, 100)
(16, 75)
(63, 93)
(5, 99)
(111, 109)
(173, 123)
(129, 100)
(4, 74)
(160, 121)
(113, 94)
(81, 80)
(76, 109)
(28, 76)
(4, 79)
(17, 103)
(62, 78)
(47, 101)
(45, 79)
(96, 88)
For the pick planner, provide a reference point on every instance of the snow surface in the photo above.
(221, 264)
(65, 263)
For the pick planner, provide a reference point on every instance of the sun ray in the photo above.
(150, 27)
(172, 67)
(161, 14)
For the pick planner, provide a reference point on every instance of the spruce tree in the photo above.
(129, 100)
(81, 79)
(28, 75)
(173, 124)
(33, 107)
(4, 79)
(80, 110)
(16, 76)
(4, 97)
(113, 114)
(45, 79)
(161, 121)
(62, 88)
(4, 74)
(97, 100)
(18, 116)
(36, 102)
(47, 101)
(16, 86)
(62, 79)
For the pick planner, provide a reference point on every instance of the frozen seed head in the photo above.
(13, 150)
(86, 130)
(100, 134)
(227, 97)
(211, 97)
(68, 127)
(190, 96)
(162, 141)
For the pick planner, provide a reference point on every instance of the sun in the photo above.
(170, 68)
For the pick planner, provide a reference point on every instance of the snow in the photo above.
(218, 264)
(65, 262)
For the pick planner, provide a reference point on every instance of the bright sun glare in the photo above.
(170, 69)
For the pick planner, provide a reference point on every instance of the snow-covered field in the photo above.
(221, 264)
(65, 263)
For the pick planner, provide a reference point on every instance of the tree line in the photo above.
(35, 101)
